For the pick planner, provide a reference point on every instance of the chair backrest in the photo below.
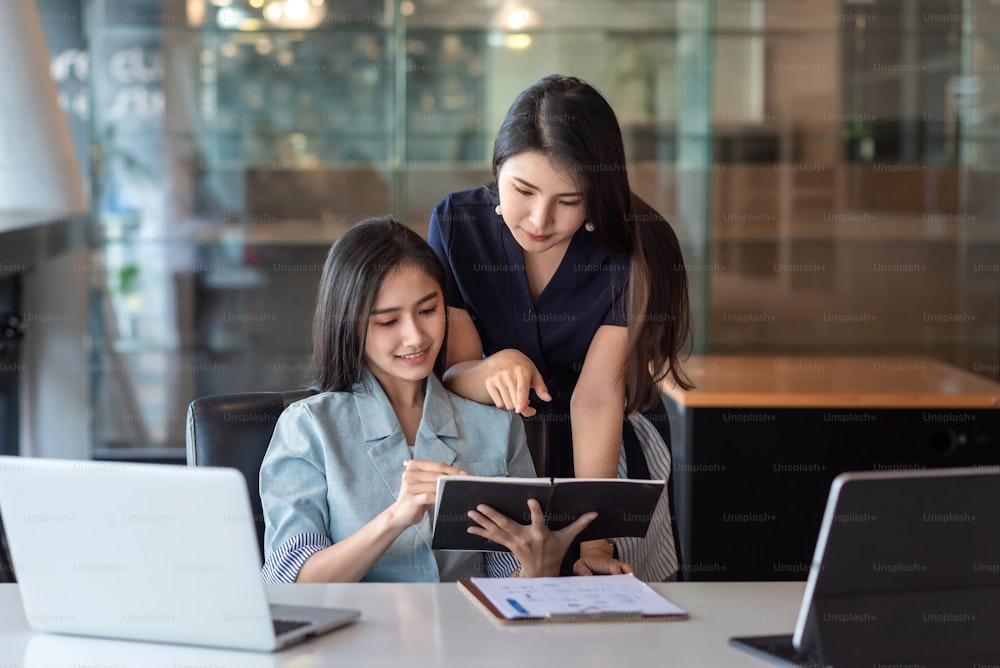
(234, 430)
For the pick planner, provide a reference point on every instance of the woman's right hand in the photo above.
(511, 377)
(418, 489)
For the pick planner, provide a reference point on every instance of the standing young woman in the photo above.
(561, 281)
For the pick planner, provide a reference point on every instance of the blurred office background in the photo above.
(832, 168)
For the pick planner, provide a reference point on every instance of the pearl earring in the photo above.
(497, 209)
(589, 226)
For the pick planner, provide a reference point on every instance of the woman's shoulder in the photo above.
(312, 426)
(319, 404)
(481, 416)
(464, 206)
(463, 225)
(479, 196)
(464, 410)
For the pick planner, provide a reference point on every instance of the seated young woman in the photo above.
(351, 472)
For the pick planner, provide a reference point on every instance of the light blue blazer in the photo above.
(336, 461)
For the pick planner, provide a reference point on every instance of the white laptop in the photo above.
(145, 552)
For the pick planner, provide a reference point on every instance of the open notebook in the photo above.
(624, 506)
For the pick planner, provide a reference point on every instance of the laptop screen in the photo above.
(907, 564)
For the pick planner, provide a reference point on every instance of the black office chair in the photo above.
(234, 430)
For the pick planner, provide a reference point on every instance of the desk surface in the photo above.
(435, 625)
(831, 382)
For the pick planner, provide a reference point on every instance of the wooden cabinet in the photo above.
(758, 442)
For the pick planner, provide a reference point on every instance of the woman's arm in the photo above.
(502, 379)
(464, 359)
(597, 408)
(597, 412)
(348, 560)
(294, 492)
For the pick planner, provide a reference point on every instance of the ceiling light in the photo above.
(295, 14)
(514, 15)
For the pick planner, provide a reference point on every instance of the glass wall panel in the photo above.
(866, 225)
(830, 167)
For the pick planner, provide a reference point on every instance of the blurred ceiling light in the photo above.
(263, 46)
(231, 18)
(511, 18)
(195, 12)
(516, 41)
(406, 8)
(256, 4)
(514, 15)
(295, 14)
(39, 178)
(252, 25)
(451, 47)
(221, 3)
(273, 12)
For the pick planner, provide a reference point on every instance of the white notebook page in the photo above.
(517, 598)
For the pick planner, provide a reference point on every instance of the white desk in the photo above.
(425, 625)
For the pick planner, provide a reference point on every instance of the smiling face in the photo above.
(542, 205)
(406, 327)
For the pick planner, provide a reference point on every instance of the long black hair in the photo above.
(355, 268)
(571, 123)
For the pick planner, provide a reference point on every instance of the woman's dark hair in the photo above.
(352, 276)
(571, 123)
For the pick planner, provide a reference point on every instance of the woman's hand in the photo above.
(539, 550)
(418, 490)
(595, 559)
(510, 377)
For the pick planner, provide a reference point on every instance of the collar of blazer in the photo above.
(387, 453)
(379, 423)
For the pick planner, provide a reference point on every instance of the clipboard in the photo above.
(642, 602)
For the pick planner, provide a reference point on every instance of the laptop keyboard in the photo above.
(782, 648)
(282, 626)
(786, 651)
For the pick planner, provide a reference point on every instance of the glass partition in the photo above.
(830, 168)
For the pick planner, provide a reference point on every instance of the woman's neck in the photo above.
(407, 400)
(403, 393)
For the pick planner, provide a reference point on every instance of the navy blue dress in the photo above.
(484, 265)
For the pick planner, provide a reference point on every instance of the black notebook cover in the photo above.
(624, 507)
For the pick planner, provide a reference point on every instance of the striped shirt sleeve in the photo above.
(284, 564)
(501, 564)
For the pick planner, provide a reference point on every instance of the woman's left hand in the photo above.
(539, 549)
(597, 561)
